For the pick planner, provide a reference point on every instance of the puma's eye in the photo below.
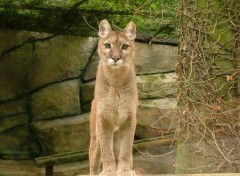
(107, 45)
(125, 46)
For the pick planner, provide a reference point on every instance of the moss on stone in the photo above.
(57, 100)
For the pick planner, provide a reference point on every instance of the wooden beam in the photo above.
(62, 158)
(49, 170)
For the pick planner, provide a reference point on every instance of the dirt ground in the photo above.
(29, 168)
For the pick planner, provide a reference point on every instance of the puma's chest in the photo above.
(117, 105)
(117, 100)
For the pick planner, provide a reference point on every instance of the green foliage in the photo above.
(153, 17)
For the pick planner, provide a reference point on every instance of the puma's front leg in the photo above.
(125, 157)
(94, 148)
(106, 146)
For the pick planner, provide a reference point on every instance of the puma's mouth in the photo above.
(115, 64)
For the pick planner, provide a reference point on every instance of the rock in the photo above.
(20, 168)
(149, 86)
(167, 103)
(10, 122)
(87, 92)
(87, 95)
(156, 117)
(155, 58)
(86, 107)
(34, 65)
(63, 135)
(91, 70)
(12, 155)
(14, 72)
(12, 38)
(156, 85)
(13, 107)
(65, 58)
(18, 140)
(61, 99)
(160, 160)
(149, 59)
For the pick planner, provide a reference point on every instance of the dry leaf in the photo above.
(184, 48)
(216, 107)
(229, 78)
(219, 99)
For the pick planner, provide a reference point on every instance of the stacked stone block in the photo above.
(47, 84)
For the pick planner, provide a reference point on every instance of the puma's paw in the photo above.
(126, 173)
(107, 174)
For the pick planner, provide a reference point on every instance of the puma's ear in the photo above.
(104, 28)
(130, 30)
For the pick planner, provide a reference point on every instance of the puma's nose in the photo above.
(116, 58)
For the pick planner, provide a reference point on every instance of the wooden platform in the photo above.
(217, 174)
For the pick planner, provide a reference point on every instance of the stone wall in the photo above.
(46, 87)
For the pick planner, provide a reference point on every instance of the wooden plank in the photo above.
(49, 170)
(214, 174)
(155, 143)
(171, 135)
(83, 155)
(62, 158)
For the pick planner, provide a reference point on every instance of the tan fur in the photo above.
(113, 112)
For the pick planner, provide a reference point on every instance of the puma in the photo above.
(113, 110)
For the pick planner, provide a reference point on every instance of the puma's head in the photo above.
(116, 48)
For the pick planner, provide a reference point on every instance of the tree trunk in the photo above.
(208, 71)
